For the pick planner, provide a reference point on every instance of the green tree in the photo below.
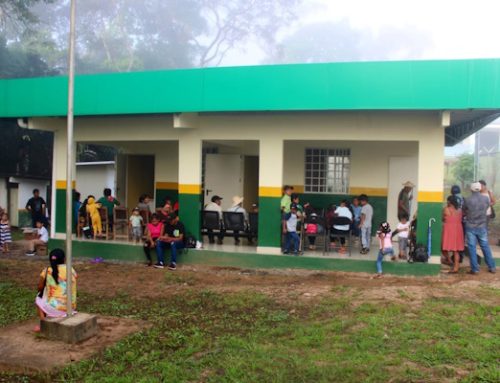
(463, 169)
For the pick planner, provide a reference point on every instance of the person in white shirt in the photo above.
(342, 211)
(215, 205)
(43, 238)
(238, 208)
(403, 230)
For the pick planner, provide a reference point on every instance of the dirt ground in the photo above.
(139, 281)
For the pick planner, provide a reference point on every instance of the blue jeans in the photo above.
(355, 230)
(366, 236)
(292, 236)
(475, 235)
(380, 257)
(174, 246)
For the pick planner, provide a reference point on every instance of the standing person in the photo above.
(92, 208)
(453, 234)
(215, 205)
(109, 202)
(238, 208)
(286, 200)
(404, 199)
(289, 223)
(385, 246)
(403, 231)
(456, 192)
(356, 212)
(136, 223)
(52, 288)
(42, 239)
(154, 230)
(36, 206)
(476, 228)
(365, 225)
(77, 204)
(490, 213)
(5, 236)
(173, 238)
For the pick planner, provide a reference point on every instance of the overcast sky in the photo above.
(450, 29)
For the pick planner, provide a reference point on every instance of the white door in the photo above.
(401, 169)
(223, 177)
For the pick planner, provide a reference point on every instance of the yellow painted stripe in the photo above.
(189, 189)
(298, 189)
(270, 191)
(61, 184)
(167, 185)
(430, 196)
(375, 192)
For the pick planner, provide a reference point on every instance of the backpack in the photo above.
(190, 242)
(420, 254)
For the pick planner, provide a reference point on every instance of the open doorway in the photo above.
(139, 178)
(231, 168)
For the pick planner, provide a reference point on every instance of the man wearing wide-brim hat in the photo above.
(404, 198)
(237, 207)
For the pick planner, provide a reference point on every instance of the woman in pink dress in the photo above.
(453, 234)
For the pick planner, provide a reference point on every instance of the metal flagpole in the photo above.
(69, 162)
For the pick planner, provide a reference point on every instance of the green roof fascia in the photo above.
(393, 85)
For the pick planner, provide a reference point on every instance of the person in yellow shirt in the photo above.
(95, 217)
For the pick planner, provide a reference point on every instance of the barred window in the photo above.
(327, 170)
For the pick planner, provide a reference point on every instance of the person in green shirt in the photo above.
(286, 200)
(109, 202)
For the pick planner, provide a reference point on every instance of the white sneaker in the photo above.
(30, 254)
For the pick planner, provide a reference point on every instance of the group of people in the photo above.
(354, 217)
(465, 225)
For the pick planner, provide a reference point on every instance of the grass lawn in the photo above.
(201, 335)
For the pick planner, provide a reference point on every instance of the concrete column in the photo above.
(190, 147)
(270, 190)
(430, 186)
(166, 172)
(58, 201)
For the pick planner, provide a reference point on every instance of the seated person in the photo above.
(42, 239)
(52, 294)
(343, 230)
(174, 238)
(154, 230)
(143, 204)
(215, 205)
(109, 202)
(237, 207)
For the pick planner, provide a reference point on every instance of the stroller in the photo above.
(416, 252)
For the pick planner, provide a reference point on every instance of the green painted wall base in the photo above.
(427, 210)
(190, 213)
(269, 222)
(126, 252)
(162, 194)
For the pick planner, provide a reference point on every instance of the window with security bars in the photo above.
(327, 170)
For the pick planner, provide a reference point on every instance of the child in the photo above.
(154, 230)
(290, 230)
(286, 200)
(5, 237)
(136, 225)
(385, 241)
(43, 238)
(403, 230)
(365, 225)
(95, 216)
(312, 228)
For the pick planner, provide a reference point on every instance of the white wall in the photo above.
(92, 178)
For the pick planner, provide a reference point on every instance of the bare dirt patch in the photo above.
(23, 351)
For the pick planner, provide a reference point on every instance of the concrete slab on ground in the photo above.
(74, 329)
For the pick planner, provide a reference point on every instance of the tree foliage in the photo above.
(463, 169)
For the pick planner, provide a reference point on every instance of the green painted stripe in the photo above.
(427, 210)
(161, 194)
(403, 85)
(124, 252)
(60, 211)
(269, 222)
(190, 213)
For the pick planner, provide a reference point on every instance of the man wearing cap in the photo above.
(215, 206)
(238, 208)
(476, 229)
(404, 198)
(174, 237)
